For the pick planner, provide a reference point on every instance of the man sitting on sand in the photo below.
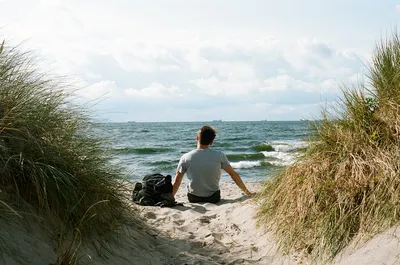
(203, 167)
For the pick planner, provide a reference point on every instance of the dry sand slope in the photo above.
(226, 233)
(191, 234)
(205, 233)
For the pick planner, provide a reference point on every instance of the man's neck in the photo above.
(202, 146)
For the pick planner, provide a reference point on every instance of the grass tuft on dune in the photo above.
(347, 184)
(49, 159)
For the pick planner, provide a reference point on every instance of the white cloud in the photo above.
(315, 48)
(231, 86)
(154, 91)
(137, 51)
(281, 82)
(242, 74)
(143, 57)
(288, 83)
(100, 90)
(210, 86)
(46, 3)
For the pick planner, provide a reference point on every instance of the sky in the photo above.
(186, 60)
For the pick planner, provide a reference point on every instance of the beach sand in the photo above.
(223, 233)
(227, 233)
(198, 233)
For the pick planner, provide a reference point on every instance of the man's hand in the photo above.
(248, 193)
(238, 180)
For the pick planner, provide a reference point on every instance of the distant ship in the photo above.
(217, 121)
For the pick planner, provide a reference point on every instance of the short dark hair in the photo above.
(206, 135)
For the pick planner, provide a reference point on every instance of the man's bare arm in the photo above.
(177, 182)
(238, 180)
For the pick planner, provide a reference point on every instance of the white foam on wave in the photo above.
(283, 159)
(288, 146)
(282, 163)
(245, 164)
(284, 151)
(284, 155)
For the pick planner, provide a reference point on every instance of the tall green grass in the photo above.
(347, 185)
(49, 158)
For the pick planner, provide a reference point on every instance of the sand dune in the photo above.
(200, 233)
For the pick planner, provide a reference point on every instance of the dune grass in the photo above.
(49, 158)
(347, 184)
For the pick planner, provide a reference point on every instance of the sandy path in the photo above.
(223, 233)
(205, 233)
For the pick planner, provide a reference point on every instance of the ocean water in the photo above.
(256, 149)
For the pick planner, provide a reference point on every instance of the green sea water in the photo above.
(256, 149)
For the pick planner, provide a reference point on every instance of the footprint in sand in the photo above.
(179, 222)
(185, 228)
(192, 236)
(150, 215)
(218, 236)
(177, 216)
(206, 219)
(235, 227)
(178, 219)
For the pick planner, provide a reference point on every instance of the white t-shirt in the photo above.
(203, 168)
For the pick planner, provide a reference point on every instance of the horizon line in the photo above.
(205, 121)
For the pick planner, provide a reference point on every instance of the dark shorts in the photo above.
(214, 198)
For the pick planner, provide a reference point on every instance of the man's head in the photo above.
(206, 135)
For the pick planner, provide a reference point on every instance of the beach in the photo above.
(227, 233)
(222, 233)
(113, 92)
(195, 233)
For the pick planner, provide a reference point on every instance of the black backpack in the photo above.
(154, 190)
